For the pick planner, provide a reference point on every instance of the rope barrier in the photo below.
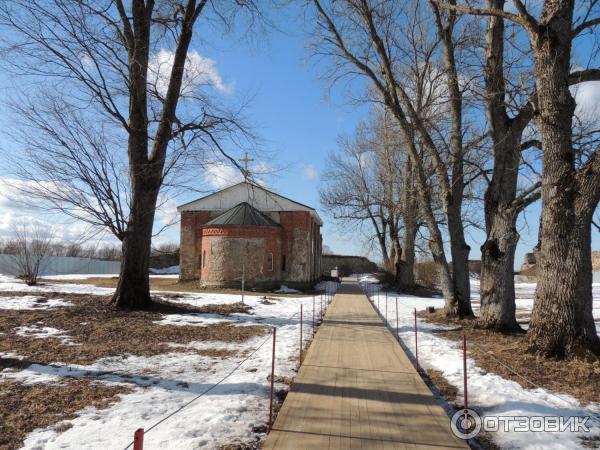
(229, 374)
(516, 373)
(523, 377)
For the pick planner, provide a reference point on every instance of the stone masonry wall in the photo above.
(347, 264)
(226, 249)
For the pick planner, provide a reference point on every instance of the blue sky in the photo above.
(298, 119)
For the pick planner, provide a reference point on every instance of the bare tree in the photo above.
(350, 191)
(29, 249)
(561, 323)
(367, 38)
(166, 247)
(104, 59)
(366, 182)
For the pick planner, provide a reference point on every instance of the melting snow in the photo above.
(39, 332)
(31, 302)
(488, 392)
(163, 383)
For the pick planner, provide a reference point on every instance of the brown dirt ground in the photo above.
(104, 331)
(27, 407)
(166, 284)
(579, 378)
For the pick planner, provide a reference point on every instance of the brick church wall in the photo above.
(299, 240)
(296, 232)
(189, 255)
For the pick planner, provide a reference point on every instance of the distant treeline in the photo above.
(105, 252)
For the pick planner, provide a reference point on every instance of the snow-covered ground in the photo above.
(490, 394)
(8, 283)
(226, 413)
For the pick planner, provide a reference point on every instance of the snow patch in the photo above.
(31, 302)
(286, 290)
(491, 394)
(40, 332)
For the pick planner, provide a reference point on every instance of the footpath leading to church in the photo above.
(357, 389)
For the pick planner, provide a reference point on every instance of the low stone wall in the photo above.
(346, 265)
(530, 262)
(162, 260)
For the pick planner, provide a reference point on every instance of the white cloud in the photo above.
(221, 175)
(310, 172)
(15, 213)
(199, 71)
(587, 97)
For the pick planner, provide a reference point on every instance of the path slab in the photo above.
(357, 389)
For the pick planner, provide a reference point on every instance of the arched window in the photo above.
(270, 262)
(204, 258)
(283, 261)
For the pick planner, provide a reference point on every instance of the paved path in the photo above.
(357, 389)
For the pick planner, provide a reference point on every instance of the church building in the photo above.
(247, 230)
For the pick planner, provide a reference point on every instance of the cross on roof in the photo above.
(246, 160)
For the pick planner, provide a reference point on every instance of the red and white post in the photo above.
(466, 396)
(300, 356)
(321, 306)
(416, 342)
(272, 380)
(397, 329)
(313, 312)
(386, 321)
(138, 439)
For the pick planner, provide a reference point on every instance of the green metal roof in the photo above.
(243, 214)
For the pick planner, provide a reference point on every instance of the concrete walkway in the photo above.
(357, 389)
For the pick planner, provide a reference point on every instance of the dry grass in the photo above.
(27, 407)
(166, 284)
(103, 331)
(427, 274)
(447, 390)
(579, 378)
(226, 309)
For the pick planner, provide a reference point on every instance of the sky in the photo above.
(297, 117)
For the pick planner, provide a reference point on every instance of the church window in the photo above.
(204, 258)
(270, 262)
(283, 263)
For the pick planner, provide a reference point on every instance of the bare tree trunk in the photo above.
(556, 327)
(410, 217)
(498, 309)
(436, 242)
(460, 262)
(585, 301)
(497, 284)
(133, 288)
(407, 266)
(380, 69)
